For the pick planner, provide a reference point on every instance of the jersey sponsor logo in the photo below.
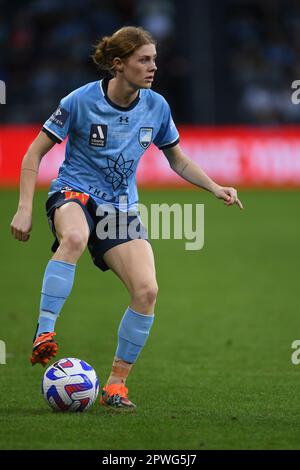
(98, 135)
(145, 136)
(82, 197)
(117, 171)
(59, 117)
(124, 120)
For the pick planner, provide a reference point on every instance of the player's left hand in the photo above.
(229, 195)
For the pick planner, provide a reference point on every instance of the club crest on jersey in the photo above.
(59, 117)
(145, 136)
(98, 135)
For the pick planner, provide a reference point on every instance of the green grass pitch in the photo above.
(216, 372)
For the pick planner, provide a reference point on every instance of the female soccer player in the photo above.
(109, 124)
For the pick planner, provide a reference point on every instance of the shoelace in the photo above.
(116, 389)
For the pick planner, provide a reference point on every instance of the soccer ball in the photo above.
(70, 384)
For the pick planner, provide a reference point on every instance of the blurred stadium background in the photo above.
(220, 355)
(222, 63)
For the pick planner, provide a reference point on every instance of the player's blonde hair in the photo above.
(121, 44)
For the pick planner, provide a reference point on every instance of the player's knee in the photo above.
(146, 294)
(74, 241)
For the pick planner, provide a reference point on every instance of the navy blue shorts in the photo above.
(120, 227)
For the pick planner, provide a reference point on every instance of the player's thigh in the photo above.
(133, 262)
(70, 221)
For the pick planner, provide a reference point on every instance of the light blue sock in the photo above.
(57, 285)
(132, 334)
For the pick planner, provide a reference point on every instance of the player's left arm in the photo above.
(191, 171)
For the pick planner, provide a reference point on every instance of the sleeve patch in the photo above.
(59, 117)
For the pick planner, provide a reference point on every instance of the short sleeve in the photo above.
(168, 135)
(59, 123)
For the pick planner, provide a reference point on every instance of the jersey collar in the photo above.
(104, 87)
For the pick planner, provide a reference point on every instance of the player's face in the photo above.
(139, 68)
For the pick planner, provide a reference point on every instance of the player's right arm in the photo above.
(22, 220)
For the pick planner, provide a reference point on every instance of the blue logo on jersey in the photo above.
(59, 117)
(145, 136)
(118, 171)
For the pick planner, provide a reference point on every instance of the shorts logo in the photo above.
(98, 135)
(83, 198)
(59, 117)
(145, 136)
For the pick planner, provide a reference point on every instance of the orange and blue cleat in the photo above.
(44, 348)
(114, 396)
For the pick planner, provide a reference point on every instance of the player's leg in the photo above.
(133, 263)
(72, 231)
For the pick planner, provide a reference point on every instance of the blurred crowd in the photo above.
(45, 49)
(264, 58)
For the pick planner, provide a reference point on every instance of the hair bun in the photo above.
(104, 42)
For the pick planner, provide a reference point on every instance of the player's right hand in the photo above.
(21, 225)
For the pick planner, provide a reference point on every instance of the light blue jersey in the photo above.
(106, 141)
